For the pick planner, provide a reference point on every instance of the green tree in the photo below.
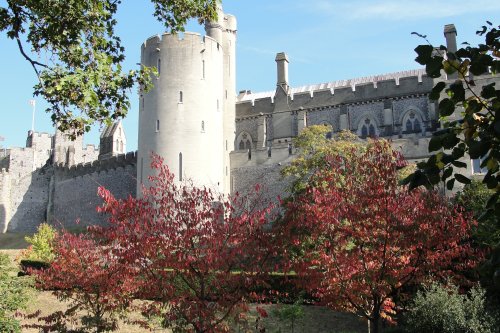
(83, 80)
(477, 132)
(314, 144)
(42, 244)
(14, 295)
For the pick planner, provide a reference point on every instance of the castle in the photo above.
(194, 119)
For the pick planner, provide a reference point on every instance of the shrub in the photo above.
(442, 309)
(41, 248)
(14, 295)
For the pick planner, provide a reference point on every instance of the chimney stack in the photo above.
(282, 63)
(450, 33)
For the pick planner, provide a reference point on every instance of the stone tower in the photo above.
(188, 118)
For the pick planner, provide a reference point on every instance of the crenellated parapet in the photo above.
(97, 166)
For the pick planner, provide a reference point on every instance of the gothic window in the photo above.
(241, 146)
(368, 129)
(372, 131)
(412, 124)
(248, 145)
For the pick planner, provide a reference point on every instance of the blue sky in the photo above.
(326, 40)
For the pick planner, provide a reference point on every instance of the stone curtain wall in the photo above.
(75, 198)
(28, 201)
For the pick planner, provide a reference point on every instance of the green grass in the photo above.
(12, 241)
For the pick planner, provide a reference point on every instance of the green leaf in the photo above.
(446, 107)
(462, 179)
(433, 67)
(450, 183)
(436, 91)
(424, 54)
(435, 143)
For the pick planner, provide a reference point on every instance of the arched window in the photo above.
(244, 141)
(368, 129)
(248, 145)
(412, 124)
(241, 146)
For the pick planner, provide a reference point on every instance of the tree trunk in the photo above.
(374, 324)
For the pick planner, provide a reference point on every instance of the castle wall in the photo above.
(28, 200)
(75, 189)
(4, 200)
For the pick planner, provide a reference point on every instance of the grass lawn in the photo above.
(11, 241)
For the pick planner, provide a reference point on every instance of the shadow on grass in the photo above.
(12, 241)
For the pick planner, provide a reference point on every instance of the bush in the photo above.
(14, 295)
(442, 309)
(41, 248)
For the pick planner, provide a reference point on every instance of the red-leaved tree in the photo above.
(85, 274)
(366, 237)
(196, 254)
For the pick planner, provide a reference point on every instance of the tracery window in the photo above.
(412, 124)
(368, 129)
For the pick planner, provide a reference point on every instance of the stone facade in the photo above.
(207, 133)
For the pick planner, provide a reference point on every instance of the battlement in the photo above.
(186, 39)
(115, 162)
(397, 82)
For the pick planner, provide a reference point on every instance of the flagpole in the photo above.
(33, 104)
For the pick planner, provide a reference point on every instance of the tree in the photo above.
(14, 295)
(199, 257)
(83, 81)
(85, 273)
(370, 238)
(197, 254)
(313, 144)
(476, 133)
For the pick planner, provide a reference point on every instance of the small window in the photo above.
(142, 168)
(226, 145)
(218, 105)
(226, 93)
(203, 126)
(180, 167)
(226, 171)
(181, 97)
(203, 69)
(157, 125)
(241, 146)
(158, 67)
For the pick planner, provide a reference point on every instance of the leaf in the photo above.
(446, 107)
(435, 143)
(449, 184)
(433, 67)
(424, 54)
(436, 91)
(462, 179)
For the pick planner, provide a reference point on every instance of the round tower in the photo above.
(224, 31)
(181, 118)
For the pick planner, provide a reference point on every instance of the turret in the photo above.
(181, 118)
